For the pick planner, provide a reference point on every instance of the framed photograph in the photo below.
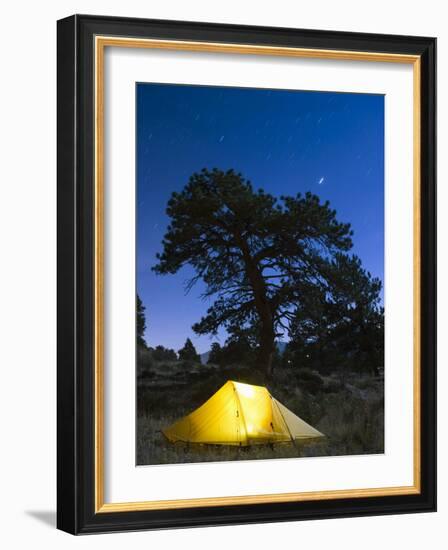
(246, 274)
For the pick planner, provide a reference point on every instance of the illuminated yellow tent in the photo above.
(240, 414)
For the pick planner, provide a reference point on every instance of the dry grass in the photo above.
(349, 413)
(153, 448)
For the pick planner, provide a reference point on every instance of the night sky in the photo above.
(286, 142)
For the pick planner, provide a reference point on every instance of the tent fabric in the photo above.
(240, 414)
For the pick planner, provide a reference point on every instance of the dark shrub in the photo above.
(333, 386)
(309, 381)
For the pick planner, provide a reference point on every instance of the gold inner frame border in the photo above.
(100, 43)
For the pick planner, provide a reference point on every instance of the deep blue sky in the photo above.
(286, 142)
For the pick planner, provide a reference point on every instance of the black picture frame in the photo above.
(76, 512)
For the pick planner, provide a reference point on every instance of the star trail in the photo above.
(285, 142)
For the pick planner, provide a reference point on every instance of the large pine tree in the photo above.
(257, 254)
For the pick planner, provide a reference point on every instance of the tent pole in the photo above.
(240, 412)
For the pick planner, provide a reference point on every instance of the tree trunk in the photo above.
(264, 309)
(266, 350)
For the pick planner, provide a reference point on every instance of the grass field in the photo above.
(348, 409)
